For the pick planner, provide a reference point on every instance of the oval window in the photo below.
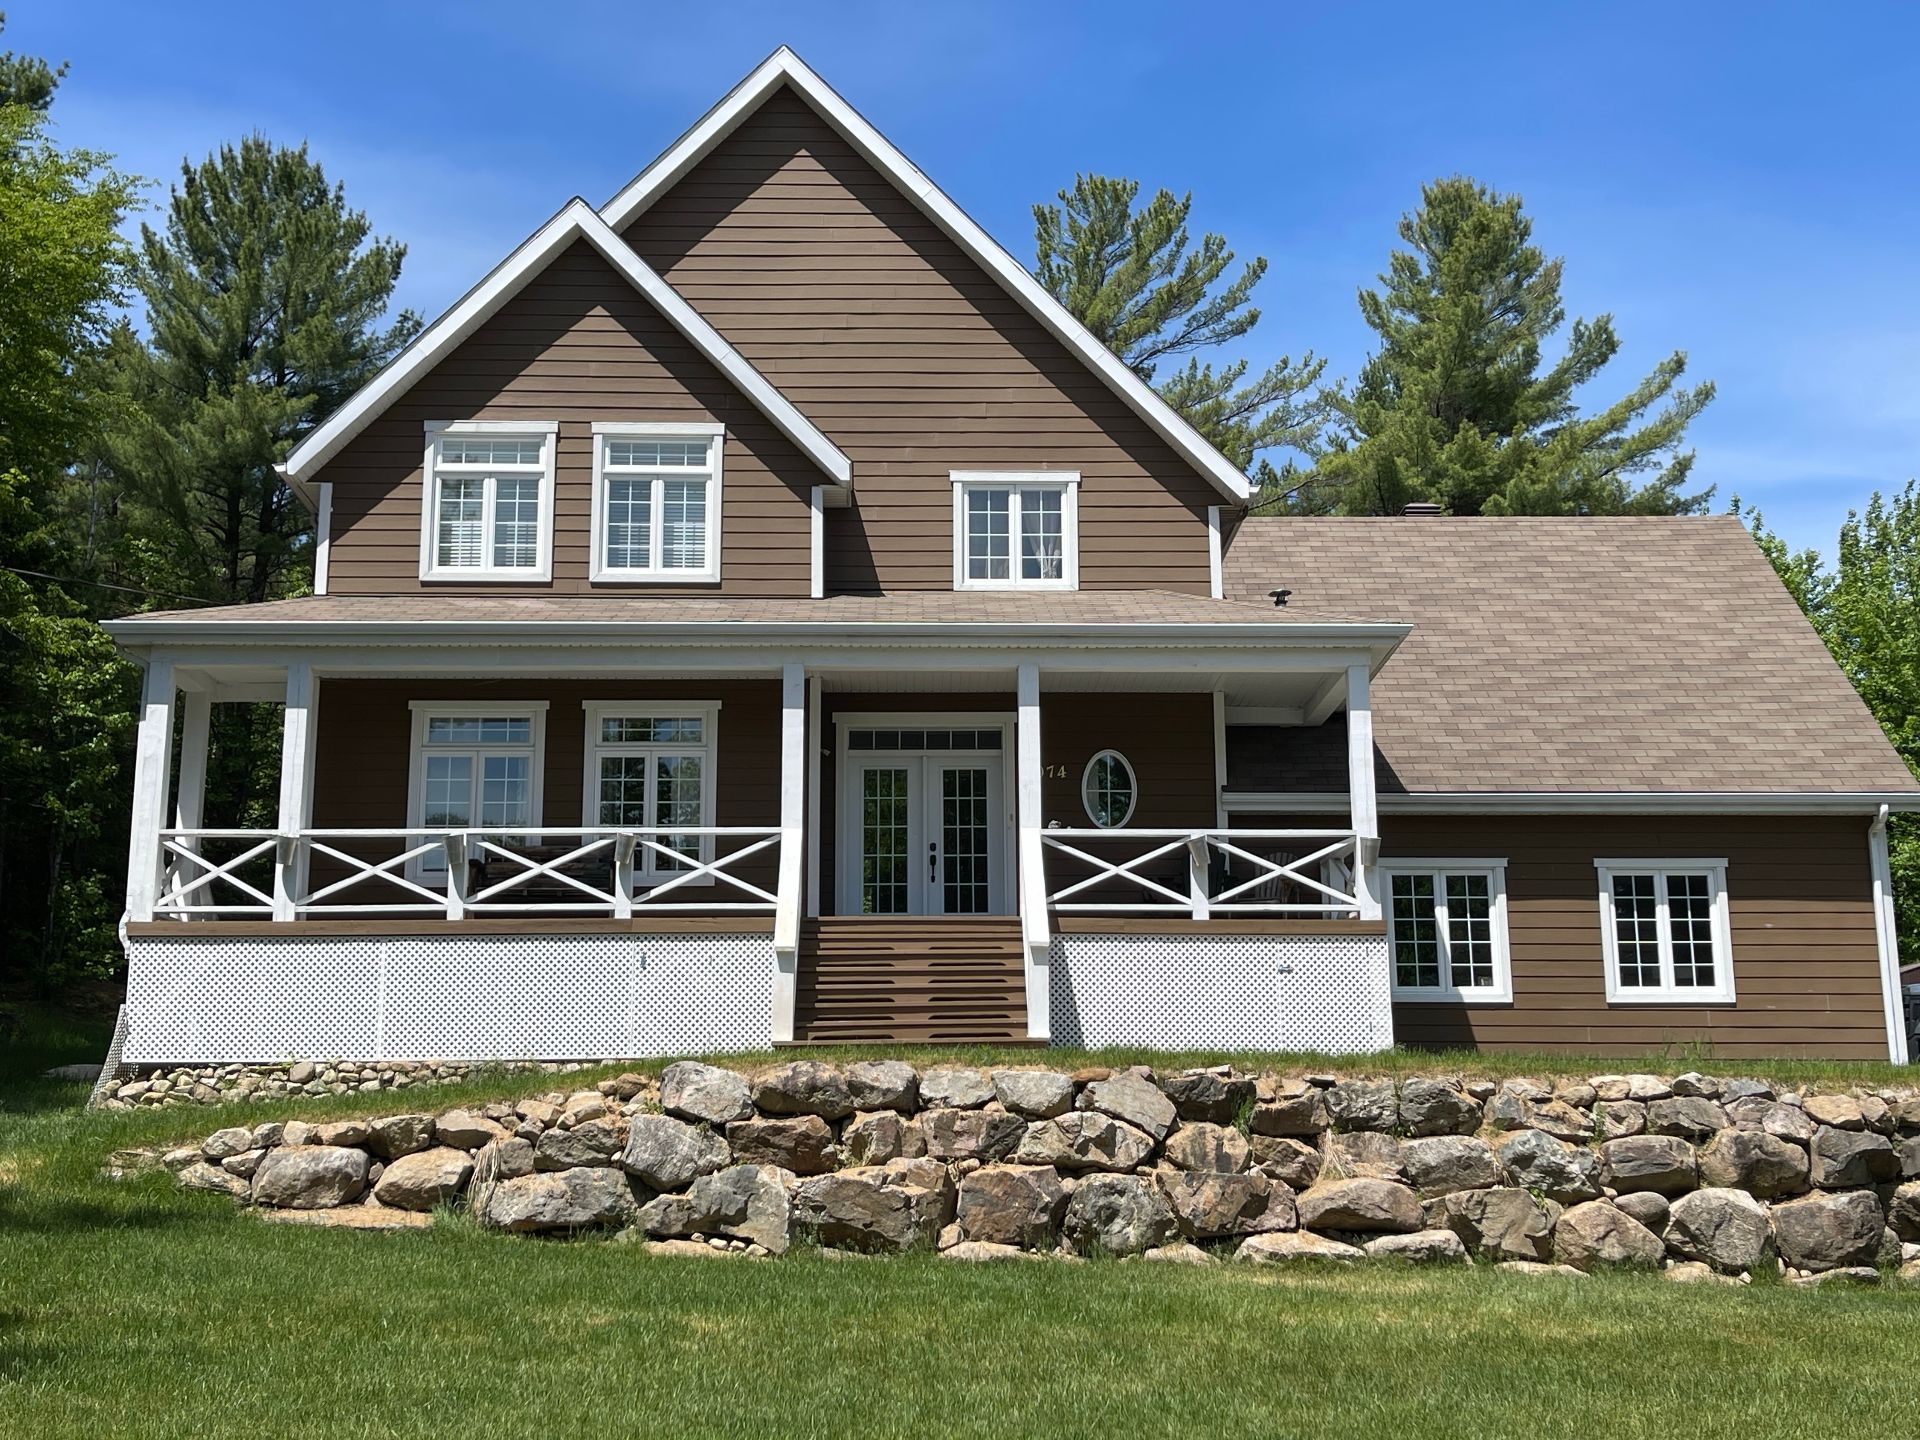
(1108, 790)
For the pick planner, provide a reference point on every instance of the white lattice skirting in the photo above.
(527, 997)
(1324, 993)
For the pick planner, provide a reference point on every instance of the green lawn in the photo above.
(137, 1309)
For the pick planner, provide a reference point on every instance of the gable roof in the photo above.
(1641, 654)
(575, 221)
(784, 67)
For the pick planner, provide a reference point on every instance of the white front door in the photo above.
(923, 833)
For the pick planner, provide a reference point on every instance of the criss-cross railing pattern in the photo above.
(263, 874)
(1203, 872)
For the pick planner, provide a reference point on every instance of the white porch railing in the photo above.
(1204, 872)
(595, 870)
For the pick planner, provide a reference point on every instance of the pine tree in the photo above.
(27, 79)
(1455, 407)
(1129, 276)
(264, 298)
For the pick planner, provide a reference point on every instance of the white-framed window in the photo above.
(1447, 930)
(656, 502)
(475, 765)
(1108, 790)
(650, 767)
(1016, 530)
(486, 509)
(1664, 931)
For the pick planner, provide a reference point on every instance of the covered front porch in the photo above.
(619, 850)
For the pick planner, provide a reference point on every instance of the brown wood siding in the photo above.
(912, 359)
(577, 345)
(1805, 963)
(1167, 738)
(364, 745)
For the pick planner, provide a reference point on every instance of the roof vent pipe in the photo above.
(1420, 508)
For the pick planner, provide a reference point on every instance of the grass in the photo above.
(139, 1309)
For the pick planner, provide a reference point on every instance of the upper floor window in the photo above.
(488, 502)
(1016, 531)
(1447, 930)
(656, 502)
(1664, 931)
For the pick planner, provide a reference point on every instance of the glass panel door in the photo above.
(966, 842)
(885, 836)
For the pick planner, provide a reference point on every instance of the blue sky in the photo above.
(1734, 181)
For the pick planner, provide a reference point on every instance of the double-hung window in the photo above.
(1016, 531)
(488, 502)
(1447, 930)
(651, 768)
(1664, 931)
(656, 502)
(476, 767)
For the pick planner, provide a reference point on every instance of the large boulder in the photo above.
(1012, 1205)
(1615, 1119)
(883, 1085)
(1287, 1247)
(1441, 1164)
(800, 1143)
(869, 1209)
(877, 1136)
(693, 1091)
(1215, 1097)
(424, 1179)
(1597, 1234)
(1661, 1163)
(1084, 1140)
(1365, 1204)
(1437, 1107)
(1903, 1211)
(1631, 1087)
(1422, 1247)
(1117, 1215)
(1129, 1096)
(1909, 1150)
(585, 1198)
(954, 1087)
(1789, 1122)
(199, 1175)
(1035, 1094)
(1363, 1105)
(1826, 1231)
(1841, 1112)
(669, 1154)
(1285, 1158)
(1726, 1228)
(465, 1130)
(1846, 1159)
(392, 1136)
(1754, 1161)
(310, 1177)
(225, 1144)
(1691, 1117)
(1350, 1154)
(989, 1134)
(1211, 1204)
(1297, 1112)
(1648, 1207)
(742, 1202)
(1202, 1145)
(804, 1087)
(1535, 1160)
(1503, 1222)
(593, 1142)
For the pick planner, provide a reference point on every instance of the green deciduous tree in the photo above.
(1867, 610)
(1458, 405)
(1132, 277)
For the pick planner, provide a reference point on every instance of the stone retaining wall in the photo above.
(1710, 1179)
(224, 1084)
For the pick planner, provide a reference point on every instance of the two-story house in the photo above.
(758, 613)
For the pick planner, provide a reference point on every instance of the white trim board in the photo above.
(1584, 802)
(576, 220)
(783, 67)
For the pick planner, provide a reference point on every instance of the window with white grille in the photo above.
(651, 768)
(1016, 531)
(1447, 930)
(656, 503)
(1664, 930)
(475, 767)
(487, 504)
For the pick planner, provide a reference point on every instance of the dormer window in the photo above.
(487, 511)
(656, 502)
(1016, 531)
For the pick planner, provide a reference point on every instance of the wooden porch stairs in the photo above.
(928, 979)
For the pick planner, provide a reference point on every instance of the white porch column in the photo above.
(1360, 786)
(296, 788)
(152, 767)
(813, 740)
(1886, 935)
(190, 800)
(1034, 927)
(793, 792)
